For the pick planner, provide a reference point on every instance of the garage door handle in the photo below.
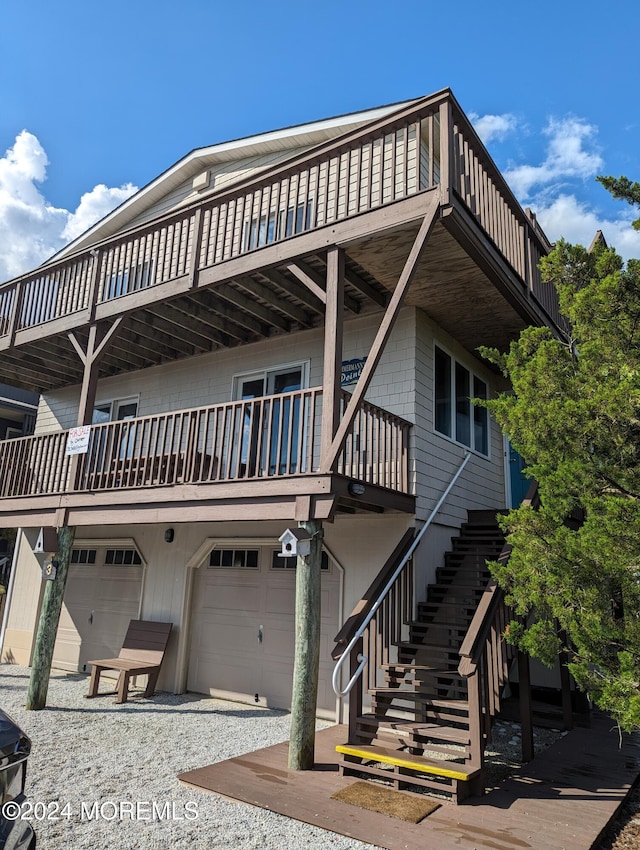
(91, 618)
(260, 633)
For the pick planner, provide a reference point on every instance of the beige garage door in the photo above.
(242, 632)
(101, 597)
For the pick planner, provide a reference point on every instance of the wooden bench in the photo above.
(143, 649)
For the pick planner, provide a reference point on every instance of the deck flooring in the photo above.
(562, 800)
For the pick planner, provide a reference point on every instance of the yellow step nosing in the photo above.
(419, 767)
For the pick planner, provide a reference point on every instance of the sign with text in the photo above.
(78, 440)
(351, 370)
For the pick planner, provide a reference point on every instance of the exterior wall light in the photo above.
(355, 488)
(168, 535)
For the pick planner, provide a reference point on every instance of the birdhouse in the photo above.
(295, 541)
(47, 542)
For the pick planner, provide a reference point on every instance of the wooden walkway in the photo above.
(560, 801)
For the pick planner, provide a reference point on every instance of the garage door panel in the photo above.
(235, 596)
(233, 636)
(280, 600)
(279, 640)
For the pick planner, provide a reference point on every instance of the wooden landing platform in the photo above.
(560, 801)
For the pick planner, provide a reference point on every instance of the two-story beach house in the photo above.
(279, 329)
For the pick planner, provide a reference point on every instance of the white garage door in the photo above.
(242, 631)
(101, 597)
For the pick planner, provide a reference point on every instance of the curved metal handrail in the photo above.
(362, 659)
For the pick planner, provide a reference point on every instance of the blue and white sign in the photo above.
(351, 370)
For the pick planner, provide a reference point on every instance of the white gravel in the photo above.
(96, 752)
(97, 769)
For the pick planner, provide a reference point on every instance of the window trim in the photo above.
(473, 377)
(273, 371)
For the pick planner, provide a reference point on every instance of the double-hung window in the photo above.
(454, 414)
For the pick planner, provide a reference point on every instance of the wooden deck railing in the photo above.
(268, 437)
(391, 159)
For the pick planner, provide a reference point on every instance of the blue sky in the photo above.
(98, 99)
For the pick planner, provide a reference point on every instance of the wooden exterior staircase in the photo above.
(435, 672)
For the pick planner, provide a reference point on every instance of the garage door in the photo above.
(101, 597)
(242, 632)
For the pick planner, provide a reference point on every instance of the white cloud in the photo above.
(568, 218)
(567, 157)
(93, 206)
(493, 127)
(31, 228)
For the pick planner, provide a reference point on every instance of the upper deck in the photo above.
(250, 262)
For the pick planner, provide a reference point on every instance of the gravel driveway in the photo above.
(97, 769)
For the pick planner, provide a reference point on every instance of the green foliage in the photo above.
(574, 415)
(624, 189)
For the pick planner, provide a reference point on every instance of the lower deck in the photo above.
(563, 799)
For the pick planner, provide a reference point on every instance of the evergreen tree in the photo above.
(574, 415)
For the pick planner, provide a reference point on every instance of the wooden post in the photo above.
(307, 652)
(48, 623)
(526, 712)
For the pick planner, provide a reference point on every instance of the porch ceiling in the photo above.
(259, 305)
(449, 286)
(461, 282)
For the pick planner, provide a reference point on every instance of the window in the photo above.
(280, 563)
(122, 557)
(83, 556)
(234, 559)
(454, 415)
(115, 411)
(123, 281)
(261, 232)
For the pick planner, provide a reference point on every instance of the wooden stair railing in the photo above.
(421, 729)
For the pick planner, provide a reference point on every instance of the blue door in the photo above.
(519, 482)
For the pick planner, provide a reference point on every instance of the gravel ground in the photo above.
(93, 761)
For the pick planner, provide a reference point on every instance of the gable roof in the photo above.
(200, 159)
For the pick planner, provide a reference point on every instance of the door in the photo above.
(242, 629)
(271, 429)
(519, 482)
(101, 597)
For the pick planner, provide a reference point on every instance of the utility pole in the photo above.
(307, 651)
(48, 622)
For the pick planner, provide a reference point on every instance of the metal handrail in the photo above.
(362, 659)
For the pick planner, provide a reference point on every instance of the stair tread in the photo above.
(409, 695)
(401, 725)
(421, 764)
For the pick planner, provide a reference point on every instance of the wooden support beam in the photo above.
(48, 623)
(97, 342)
(332, 368)
(252, 307)
(384, 331)
(297, 290)
(306, 662)
(314, 282)
(289, 308)
(369, 291)
(526, 713)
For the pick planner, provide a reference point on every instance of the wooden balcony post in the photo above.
(332, 368)
(355, 697)
(48, 623)
(304, 697)
(447, 172)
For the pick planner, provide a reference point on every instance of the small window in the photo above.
(83, 556)
(234, 559)
(122, 557)
(280, 563)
